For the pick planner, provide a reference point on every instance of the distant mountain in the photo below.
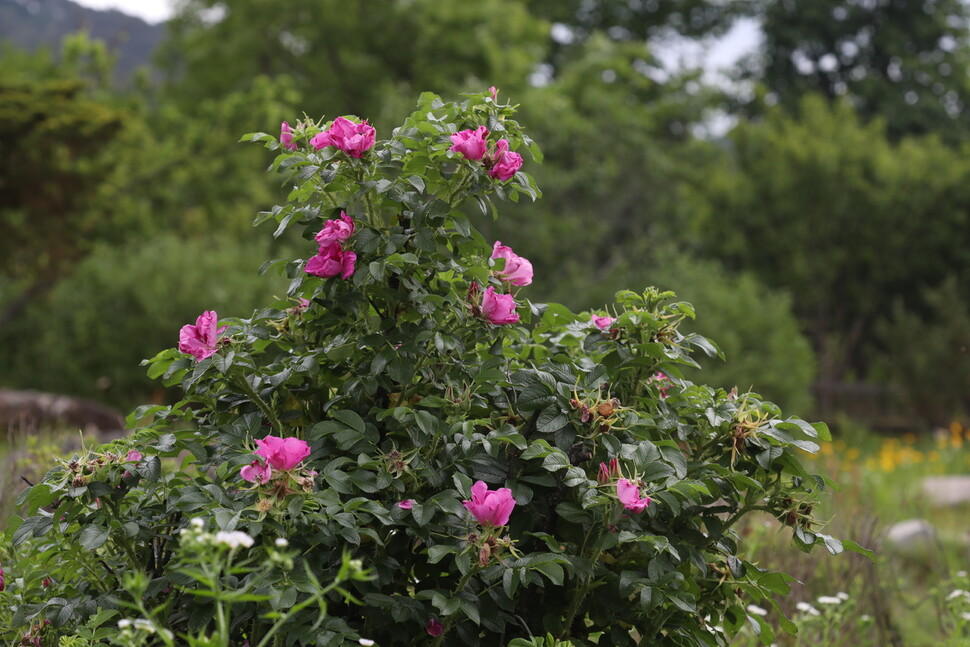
(32, 24)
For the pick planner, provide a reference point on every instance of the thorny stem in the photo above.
(461, 185)
(448, 623)
(125, 544)
(259, 402)
(579, 595)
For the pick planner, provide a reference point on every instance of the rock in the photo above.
(33, 409)
(913, 537)
(947, 490)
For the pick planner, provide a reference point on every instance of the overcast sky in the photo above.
(150, 10)
(742, 39)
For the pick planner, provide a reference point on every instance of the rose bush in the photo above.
(509, 472)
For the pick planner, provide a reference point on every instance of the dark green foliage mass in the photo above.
(905, 62)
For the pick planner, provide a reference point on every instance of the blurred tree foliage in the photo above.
(904, 61)
(125, 302)
(829, 208)
(935, 371)
(348, 58)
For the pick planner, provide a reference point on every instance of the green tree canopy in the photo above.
(829, 208)
(352, 58)
(904, 61)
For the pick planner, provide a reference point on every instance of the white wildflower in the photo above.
(961, 573)
(366, 642)
(842, 595)
(956, 593)
(865, 617)
(805, 607)
(828, 599)
(145, 625)
(233, 539)
(197, 522)
(124, 623)
(756, 610)
(282, 542)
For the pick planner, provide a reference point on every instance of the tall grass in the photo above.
(27, 452)
(909, 597)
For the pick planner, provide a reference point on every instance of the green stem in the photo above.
(369, 210)
(259, 402)
(407, 392)
(461, 185)
(448, 623)
(124, 543)
(579, 595)
(221, 624)
(293, 611)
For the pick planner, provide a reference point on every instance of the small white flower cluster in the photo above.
(137, 623)
(141, 624)
(957, 593)
(829, 600)
(233, 539)
(756, 610)
(367, 642)
(195, 533)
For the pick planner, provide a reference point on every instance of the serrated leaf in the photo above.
(92, 537)
(555, 461)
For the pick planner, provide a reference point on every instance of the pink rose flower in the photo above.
(133, 456)
(256, 472)
(282, 453)
(434, 627)
(406, 504)
(332, 261)
(286, 136)
(603, 323)
(506, 163)
(629, 495)
(517, 270)
(490, 508)
(498, 308)
(202, 339)
(3, 584)
(494, 92)
(353, 139)
(335, 231)
(470, 143)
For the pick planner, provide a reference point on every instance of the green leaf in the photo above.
(351, 419)
(551, 570)
(856, 548)
(776, 582)
(149, 469)
(555, 461)
(437, 553)
(92, 537)
(551, 419)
